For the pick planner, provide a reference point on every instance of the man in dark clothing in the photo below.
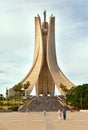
(64, 114)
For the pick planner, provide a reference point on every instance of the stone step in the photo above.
(40, 103)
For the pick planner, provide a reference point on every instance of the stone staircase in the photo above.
(48, 103)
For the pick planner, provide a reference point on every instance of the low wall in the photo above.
(83, 110)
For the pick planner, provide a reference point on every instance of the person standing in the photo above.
(44, 112)
(59, 114)
(64, 114)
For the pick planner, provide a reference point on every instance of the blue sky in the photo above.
(17, 38)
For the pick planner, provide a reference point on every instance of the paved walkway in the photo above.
(37, 121)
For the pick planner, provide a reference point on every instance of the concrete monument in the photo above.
(45, 72)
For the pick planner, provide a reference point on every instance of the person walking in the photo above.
(59, 114)
(44, 112)
(64, 114)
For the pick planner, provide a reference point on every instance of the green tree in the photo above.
(78, 96)
(1, 97)
(25, 86)
(64, 88)
(17, 88)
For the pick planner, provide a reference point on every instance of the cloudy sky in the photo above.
(17, 38)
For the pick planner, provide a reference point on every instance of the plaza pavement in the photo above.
(37, 121)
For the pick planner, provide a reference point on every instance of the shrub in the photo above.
(14, 108)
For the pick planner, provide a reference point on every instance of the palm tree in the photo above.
(64, 88)
(17, 88)
(1, 97)
(25, 86)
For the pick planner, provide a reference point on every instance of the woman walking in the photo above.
(59, 113)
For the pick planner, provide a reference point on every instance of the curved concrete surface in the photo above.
(45, 73)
